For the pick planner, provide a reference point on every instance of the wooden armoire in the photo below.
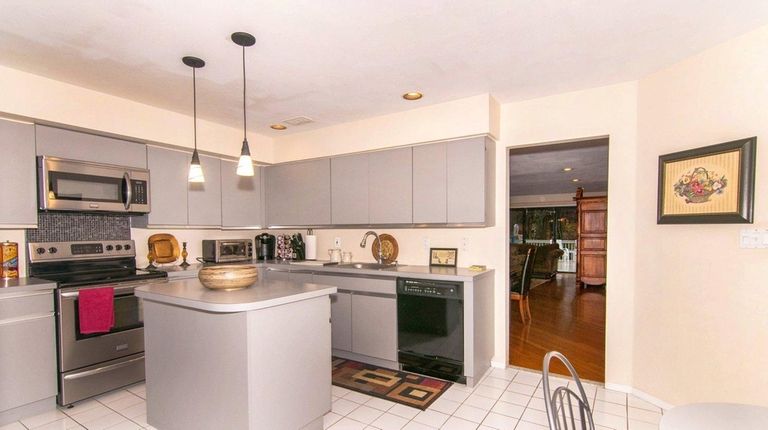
(591, 239)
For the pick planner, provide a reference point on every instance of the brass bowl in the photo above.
(228, 277)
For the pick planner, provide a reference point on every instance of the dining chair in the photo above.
(521, 285)
(566, 409)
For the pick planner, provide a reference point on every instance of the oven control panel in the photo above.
(57, 251)
(430, 288)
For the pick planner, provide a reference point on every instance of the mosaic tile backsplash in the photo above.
(71, 226)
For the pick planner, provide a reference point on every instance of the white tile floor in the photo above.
(506, 399)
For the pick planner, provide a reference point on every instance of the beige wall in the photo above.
(607, 111)
(39, 98)
(701, 303)
(459, 118)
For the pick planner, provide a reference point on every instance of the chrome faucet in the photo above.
(365, 237)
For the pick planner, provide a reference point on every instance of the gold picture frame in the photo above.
(710, 185)
(443, 257)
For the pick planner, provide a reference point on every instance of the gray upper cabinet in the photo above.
(17, 144)
(89, 147)
(349, 189)
(299, 194)
(390, 186)
(469, 181)
(204, 198)
(168, 186)
(241, 197)
(429, 184)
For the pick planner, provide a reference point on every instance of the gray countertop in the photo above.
(404, 270)
(190, 293)
(21, 285)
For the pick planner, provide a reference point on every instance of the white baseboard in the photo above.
(639, 394)
(498, 364)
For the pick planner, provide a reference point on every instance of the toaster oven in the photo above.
(227, 250)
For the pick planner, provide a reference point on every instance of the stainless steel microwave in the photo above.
(227, 250)
(71, 185)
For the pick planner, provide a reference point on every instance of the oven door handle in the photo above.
(102, 369)
(118, 290)
(128, 190)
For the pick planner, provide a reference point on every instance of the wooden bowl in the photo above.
(228, 277)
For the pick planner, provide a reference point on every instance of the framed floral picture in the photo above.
(710, 185)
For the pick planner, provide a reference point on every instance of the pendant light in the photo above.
(195, 170)
(245, 164)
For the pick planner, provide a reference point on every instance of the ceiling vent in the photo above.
(299, 120)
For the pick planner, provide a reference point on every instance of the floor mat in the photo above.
(401, 387)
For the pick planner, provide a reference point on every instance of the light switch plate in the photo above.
(753, 238)
(337, 242)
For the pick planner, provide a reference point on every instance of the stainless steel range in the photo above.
(91, 364)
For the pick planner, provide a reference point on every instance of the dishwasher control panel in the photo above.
(430, 288)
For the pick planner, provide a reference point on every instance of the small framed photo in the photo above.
(710, 185)
(443, 257)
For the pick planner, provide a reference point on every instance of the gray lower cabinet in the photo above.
(241, 197)
(349, 189)
(341, 321)
(299, 194)
(17, 144)
(390, 186)
(363, 315)
(168, 186)
(27, 351)
(75, 145)
(374, 325)
(204, 198)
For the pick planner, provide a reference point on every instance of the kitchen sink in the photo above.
(371, 266)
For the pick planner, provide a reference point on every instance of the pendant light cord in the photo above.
(194, 104)
(245, 125)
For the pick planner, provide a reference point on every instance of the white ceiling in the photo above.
(336, 61)
(538, 170)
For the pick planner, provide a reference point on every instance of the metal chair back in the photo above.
(566, 409)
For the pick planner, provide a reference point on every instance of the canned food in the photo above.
(9, 260)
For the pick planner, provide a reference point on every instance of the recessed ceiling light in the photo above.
(567, 169)
(575, 179)
(414, 95)
(277, 127)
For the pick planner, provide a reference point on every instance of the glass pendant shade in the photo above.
(195, 170)
(245, 164)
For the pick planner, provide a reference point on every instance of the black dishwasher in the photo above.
(430, 327)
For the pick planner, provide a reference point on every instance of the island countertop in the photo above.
(190, 293)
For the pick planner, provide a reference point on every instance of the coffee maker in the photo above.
(265, 246)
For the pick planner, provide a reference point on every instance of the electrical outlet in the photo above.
(337, 242)
(425, 243)
(464, 243)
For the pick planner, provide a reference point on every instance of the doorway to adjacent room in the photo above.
(565, 315)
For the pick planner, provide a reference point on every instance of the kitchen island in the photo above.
(256, 358)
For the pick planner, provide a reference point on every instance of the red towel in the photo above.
(97, 310)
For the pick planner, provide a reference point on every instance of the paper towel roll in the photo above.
(310, 242)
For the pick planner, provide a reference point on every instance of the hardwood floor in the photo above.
(564, 318)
